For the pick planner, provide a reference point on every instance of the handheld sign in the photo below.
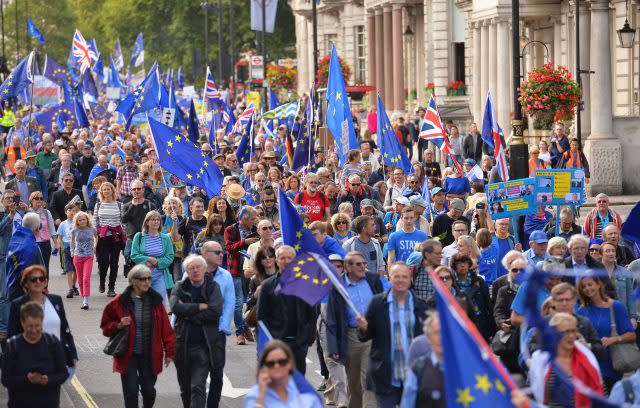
(511, 198)
(560, 187)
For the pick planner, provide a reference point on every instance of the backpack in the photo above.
(10, 350)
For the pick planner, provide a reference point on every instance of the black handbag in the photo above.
(118, 343)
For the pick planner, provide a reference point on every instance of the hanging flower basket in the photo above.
(323, 71)
(282, 77)
(549, 92)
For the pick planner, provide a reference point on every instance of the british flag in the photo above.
(433, 131)
(211, 91)
(82, 52)
(491, 135)
(243, 119)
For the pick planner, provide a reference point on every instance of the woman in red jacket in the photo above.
(150, 336)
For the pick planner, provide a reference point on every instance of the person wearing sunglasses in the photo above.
(62, 197)
(600, 217)
(269, 205)
(275, 386)
(34, 282)
(265, 232)
(141, 309)
(47, 230)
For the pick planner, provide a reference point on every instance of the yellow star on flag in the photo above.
(299, 234)
(178, 138)
(296, 247)
(500, 387)
(483, 383)
(338, 95)
(205, 164)
(189, 176)
(464, 397)
(170, 143)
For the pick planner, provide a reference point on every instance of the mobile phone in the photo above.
(16, 199)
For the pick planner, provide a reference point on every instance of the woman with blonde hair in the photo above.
(107, 217)
(173, 215)
(468, 246)
(341, 224)
(155, 250)
(47, 229)
(557, 246)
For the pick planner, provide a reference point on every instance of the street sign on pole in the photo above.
(257, 68)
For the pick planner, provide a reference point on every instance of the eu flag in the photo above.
(304, 147)
(245, 147)
(89, 85)
(21, 253)
(473, 375)
(339, 119)
(117, 56)
(58, 74)
(19, 79)
(59, 114)
(114, 79)
(193, 125)
(35, 32)
(293, 230)
(631, 227)
(180, 79)
(145, 97)
(184, 159)
(394, 154)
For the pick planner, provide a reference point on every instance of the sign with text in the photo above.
(560, 187)
(512, 198)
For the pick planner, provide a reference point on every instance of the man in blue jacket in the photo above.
(329, 244)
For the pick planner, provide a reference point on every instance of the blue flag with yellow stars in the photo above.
(393, 152)
(145, 97)
(307, 277)
(21, 253)
(178, 155)
(19, 79)
(293, 230)
(339, 119)
(244, 148)
(473, 375)
(58, 74)
(59, 114)
(193, 124)
(304, 148)
(80, 113)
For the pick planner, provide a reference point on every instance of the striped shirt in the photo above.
(107, 214)
(153, 245)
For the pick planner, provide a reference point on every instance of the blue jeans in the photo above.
(5, 303)
(237, 313)
(216, 374)
(139, 376)
(158, 284)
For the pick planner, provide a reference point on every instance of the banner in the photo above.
(45, 91)
(512, 198)
(560, 187)
(270, 8)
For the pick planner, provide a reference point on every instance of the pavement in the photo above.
(96, 385)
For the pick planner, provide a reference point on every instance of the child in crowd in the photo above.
(63, 245)
(83, 236)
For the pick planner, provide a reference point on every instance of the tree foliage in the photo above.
(173, 30)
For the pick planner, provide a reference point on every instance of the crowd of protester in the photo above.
(196, 264)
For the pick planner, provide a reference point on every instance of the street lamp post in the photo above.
(206, 6)
(626, 35)
(517, 148)
(220, 43)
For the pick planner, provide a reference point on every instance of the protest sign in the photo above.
(511, 198)
(560, 187)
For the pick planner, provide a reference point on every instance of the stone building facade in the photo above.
(399, 46)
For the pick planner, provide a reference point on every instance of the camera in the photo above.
(480, 206)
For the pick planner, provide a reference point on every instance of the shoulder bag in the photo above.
(625, 357)
(118, 343)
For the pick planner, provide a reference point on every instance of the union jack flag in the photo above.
(243, 119)
(211, 92)
(82, 52)
(491, 135)
(433, 131)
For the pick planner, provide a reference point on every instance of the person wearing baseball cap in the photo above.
(538, 247)
(442, 224)
(438, 203)
(391, 217)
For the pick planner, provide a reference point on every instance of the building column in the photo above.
(371, 54)
(484, 71)
(379, 55)
(602, 148)
(476, 69)
(585, 54)
(493, 68)
(557, 40)
(398, 59)
(503, 63)
(388, 58)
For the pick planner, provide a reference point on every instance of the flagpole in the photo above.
(380, 140)
(315, 127)
(33, 80)
(336, 284)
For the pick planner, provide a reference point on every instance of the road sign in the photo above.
(257, 67)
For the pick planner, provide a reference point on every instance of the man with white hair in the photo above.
(600, 217)
(23, 251)
(196, 302)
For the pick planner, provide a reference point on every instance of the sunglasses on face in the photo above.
(594, 249)
(35, 279)
(37, 198)
(272, 363)
(269, 201)
(266, 228)
(216, 252)
(445, 278)
(145, 278)
(341, 222)
(355, 184)
(67, 181)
